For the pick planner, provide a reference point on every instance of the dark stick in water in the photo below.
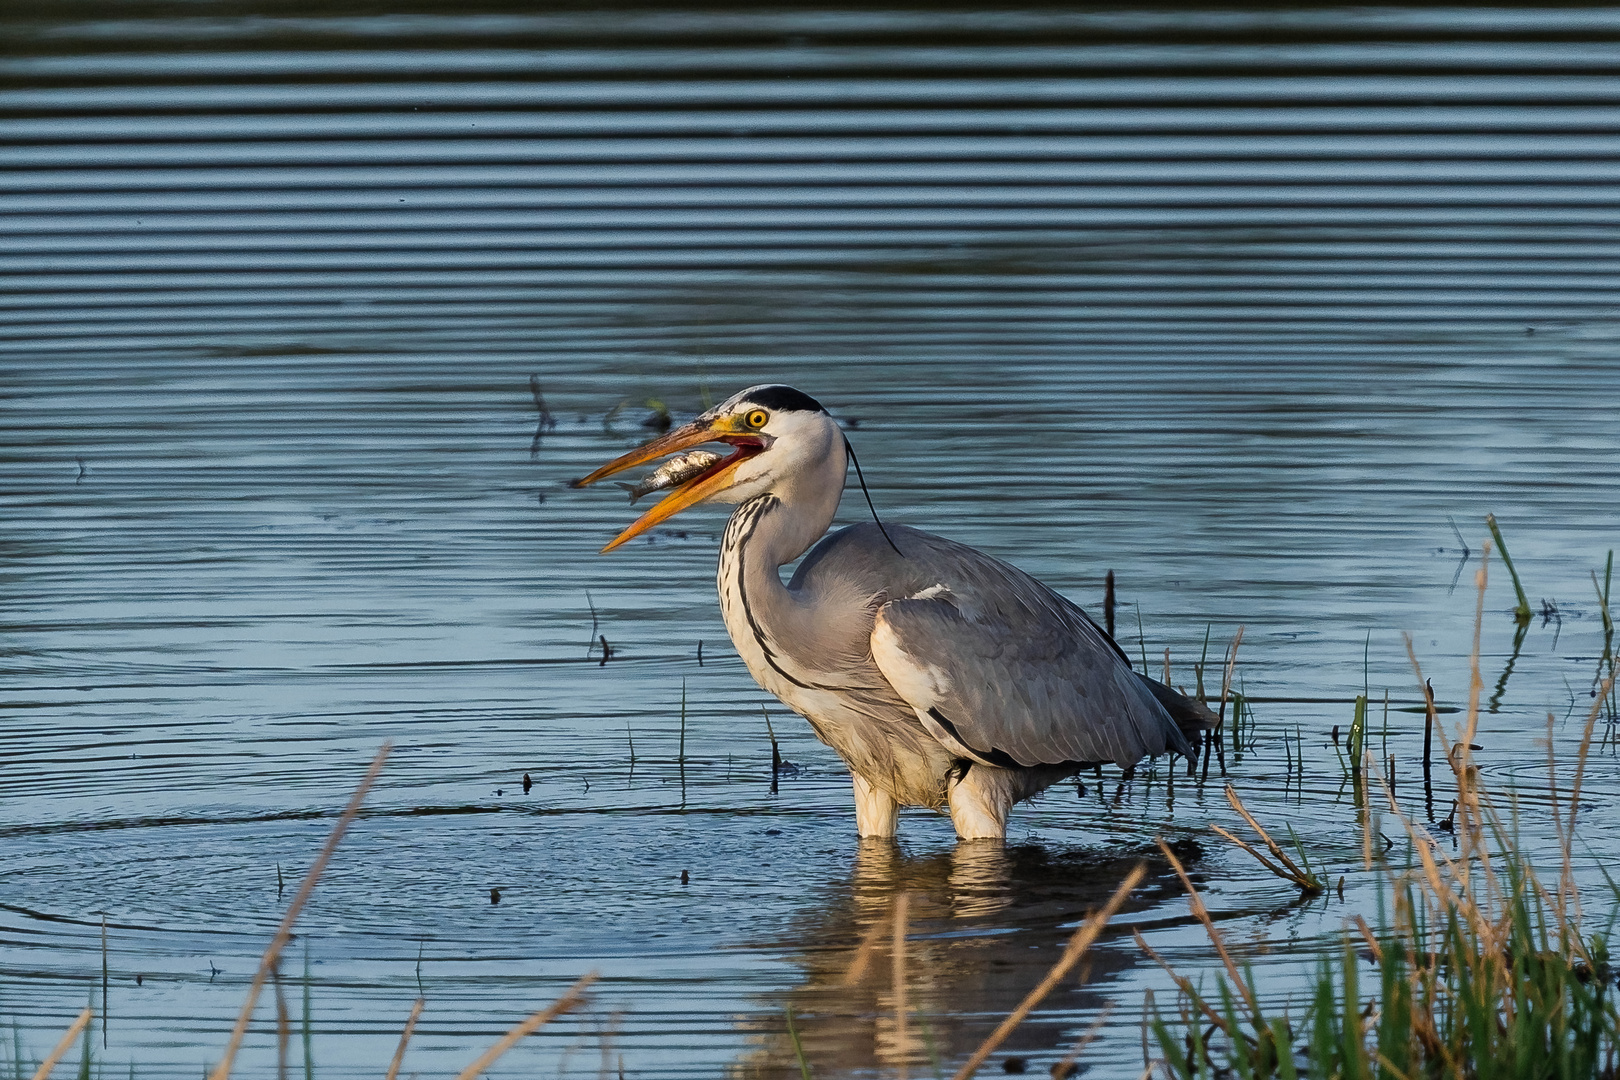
(1108, 603)
(546, 421)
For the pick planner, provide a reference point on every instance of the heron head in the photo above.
(774, 432)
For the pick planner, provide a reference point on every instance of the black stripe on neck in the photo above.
(750, 514)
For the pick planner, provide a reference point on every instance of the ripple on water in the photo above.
(1245, 323)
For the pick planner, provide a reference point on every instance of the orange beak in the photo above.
(715, 478)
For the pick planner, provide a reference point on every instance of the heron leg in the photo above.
(980, 797)
(876, 812)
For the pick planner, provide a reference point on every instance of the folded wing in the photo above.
(1006, 672)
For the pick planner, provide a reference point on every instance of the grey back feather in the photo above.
(1016, 669)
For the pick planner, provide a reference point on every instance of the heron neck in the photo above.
(763, 535)
(794, 516)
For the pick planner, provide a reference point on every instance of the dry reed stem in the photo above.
(863, 953)
(1567, 881)
(1586, 746)
(284, 931)
(1062, 1067)
(902, 911)
(1476, 685)
(68, 1036)
(1201, 913)
(534, 1023)
(283, 1022)
(1446, 745)
(1082, 939)
(1467, 782)
(1367, 936)
(1294, 874)
(1390, 1068)
(1185, 983)
(1261, 859)
(1467, 822)
(1231, 662)
(1565, 873)
(404, 1038)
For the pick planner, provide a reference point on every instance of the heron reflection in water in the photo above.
(986, 923)
(943, 677)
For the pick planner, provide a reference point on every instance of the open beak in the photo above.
(715, 478)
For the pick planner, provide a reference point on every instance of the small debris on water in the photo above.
(527, 783)
(773, 832)
(137, 979)
(607, 650)
(1017, 1066)
(494, 896)
(546, 422)
(658, 420)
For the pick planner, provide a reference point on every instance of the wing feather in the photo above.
(1003, 669)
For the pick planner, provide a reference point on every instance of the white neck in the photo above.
(766, 620)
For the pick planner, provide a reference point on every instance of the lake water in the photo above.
(1247, 307)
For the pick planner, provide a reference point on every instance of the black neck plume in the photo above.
(857, 462)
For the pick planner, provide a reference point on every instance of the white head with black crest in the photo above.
(781, 442)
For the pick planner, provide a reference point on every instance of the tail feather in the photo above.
(1192, 717)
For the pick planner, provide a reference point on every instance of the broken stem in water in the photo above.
(1522, 612)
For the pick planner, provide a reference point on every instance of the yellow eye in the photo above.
(756, 419)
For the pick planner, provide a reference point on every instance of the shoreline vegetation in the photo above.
(1478, 967)
(1482, 968)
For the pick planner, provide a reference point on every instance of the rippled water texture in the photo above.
(1245, 307)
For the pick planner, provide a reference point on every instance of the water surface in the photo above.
(1247, 307)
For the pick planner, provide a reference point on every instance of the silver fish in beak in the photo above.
(677, 470)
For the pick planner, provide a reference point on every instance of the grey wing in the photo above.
(1002, 670)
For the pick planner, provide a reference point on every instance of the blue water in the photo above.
(1247, 307)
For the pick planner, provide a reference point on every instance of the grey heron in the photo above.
(943, 677)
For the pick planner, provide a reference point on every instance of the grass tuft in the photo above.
(1482, 972)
